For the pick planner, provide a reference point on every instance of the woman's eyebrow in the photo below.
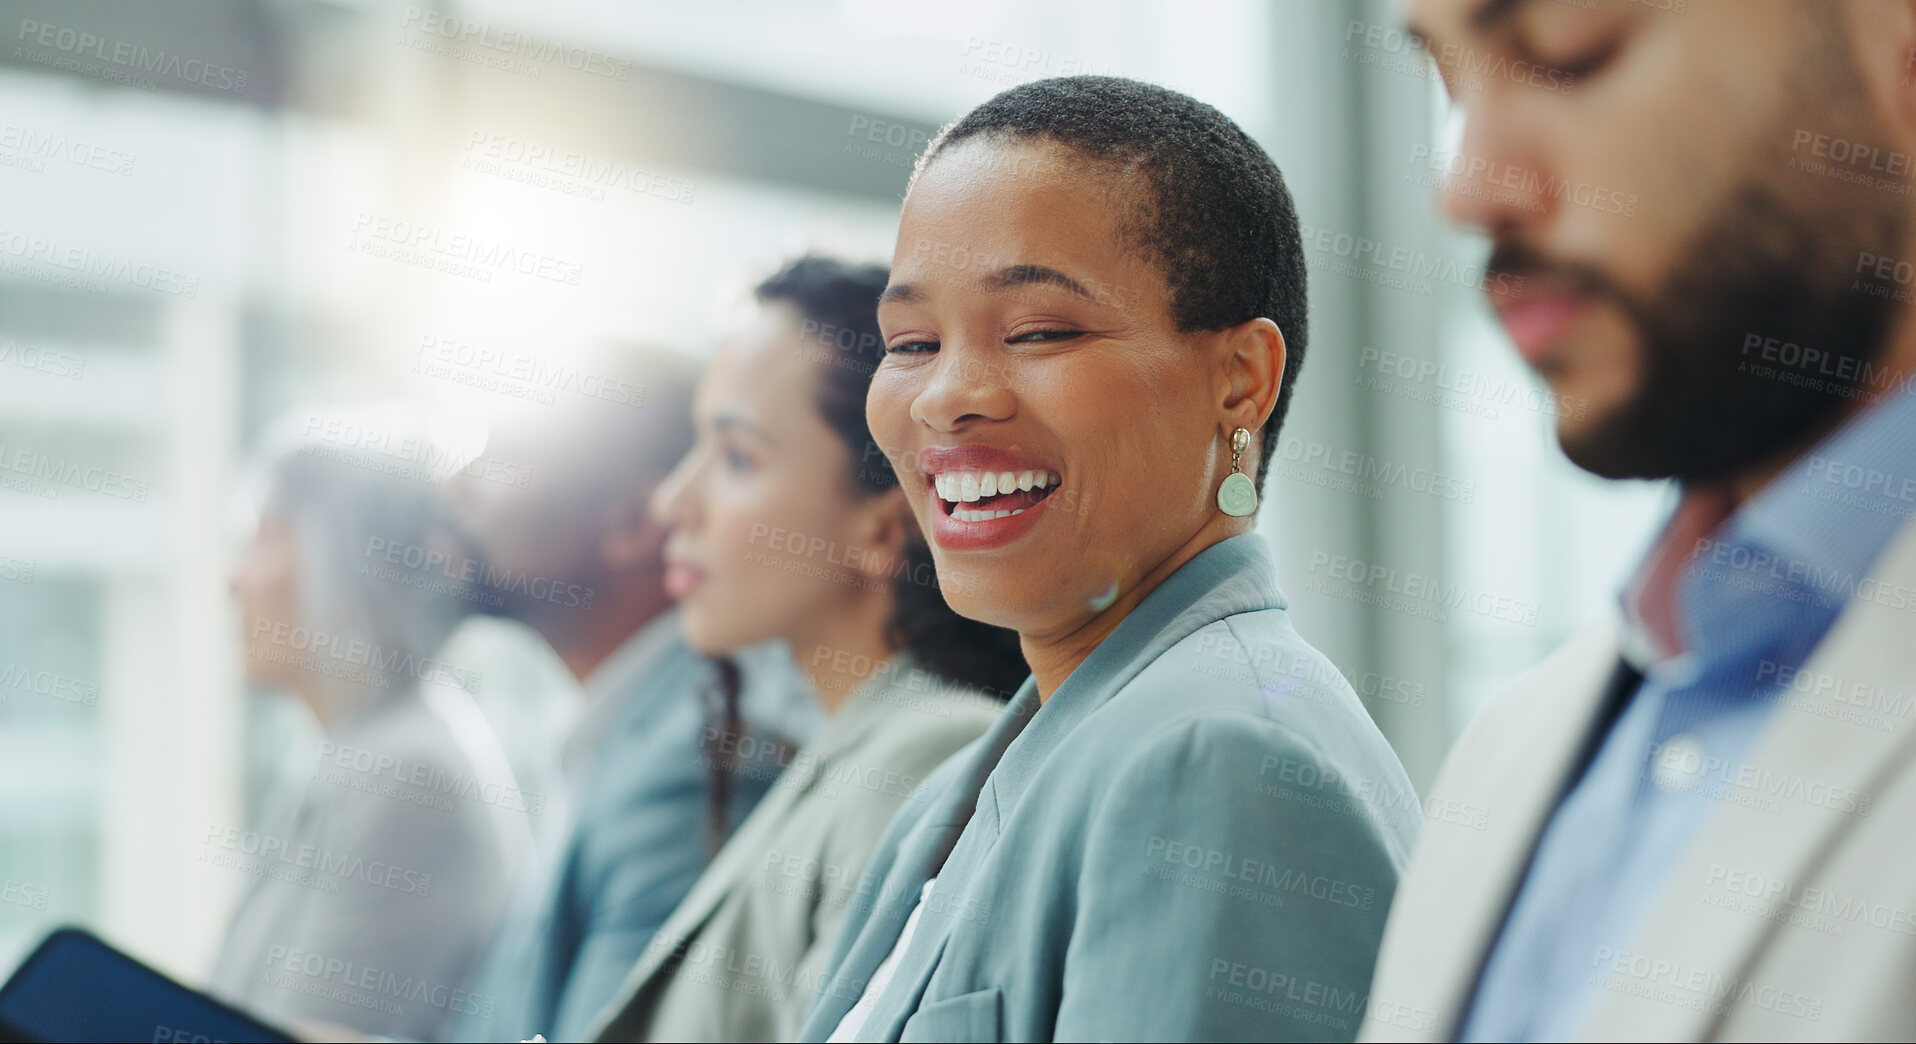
(1026, 275)
(736, 422)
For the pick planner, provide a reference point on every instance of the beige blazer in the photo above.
(742, 957)
(1791, 916)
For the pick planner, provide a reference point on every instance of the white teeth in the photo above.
(977, 515)
(964, 487)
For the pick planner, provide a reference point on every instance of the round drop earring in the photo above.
(1237, 496)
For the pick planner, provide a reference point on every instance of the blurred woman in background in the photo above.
(788, 524)
(383, 865)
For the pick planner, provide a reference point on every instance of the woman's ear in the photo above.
(1253, 360)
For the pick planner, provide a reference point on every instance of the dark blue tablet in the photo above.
(75, 987)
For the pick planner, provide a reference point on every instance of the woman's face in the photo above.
(770, 538)
(266, 584)
(1025, 336)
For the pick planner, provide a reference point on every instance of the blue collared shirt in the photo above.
(1759, 595)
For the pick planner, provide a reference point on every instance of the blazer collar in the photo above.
(1233, 576)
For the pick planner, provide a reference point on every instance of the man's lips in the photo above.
(1538, 321)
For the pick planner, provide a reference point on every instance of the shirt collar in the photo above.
(1823, 520)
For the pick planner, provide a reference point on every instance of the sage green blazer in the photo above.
(1195, 838)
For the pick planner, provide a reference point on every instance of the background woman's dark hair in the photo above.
(838, 303)
(838, 306)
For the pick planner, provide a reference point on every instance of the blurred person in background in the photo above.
(560, 538)
(380, 873)
(787, 524)
(1697, 812)
(1094, 324)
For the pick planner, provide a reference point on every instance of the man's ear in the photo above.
(628, 535)
(1252, 358)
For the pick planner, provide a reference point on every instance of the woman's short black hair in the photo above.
(1216, 219)
(838, 305)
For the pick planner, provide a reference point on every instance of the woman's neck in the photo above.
(1053, 656)
(845, 650)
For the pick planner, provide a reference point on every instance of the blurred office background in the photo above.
(217, 211)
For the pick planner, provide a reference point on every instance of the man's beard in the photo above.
(1775, 263)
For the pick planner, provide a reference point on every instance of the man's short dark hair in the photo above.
(1218, 221)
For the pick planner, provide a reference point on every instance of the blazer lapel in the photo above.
(739, 857)
(921, 853)
(1814, 772)
(1462, 879)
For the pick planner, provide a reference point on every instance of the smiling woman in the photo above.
(1184, 826)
